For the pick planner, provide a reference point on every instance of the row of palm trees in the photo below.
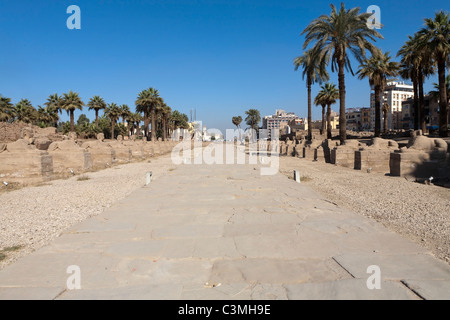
(252, 120)
(148, 103)
(334, 37)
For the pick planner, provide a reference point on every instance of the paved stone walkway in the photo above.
(226, 232)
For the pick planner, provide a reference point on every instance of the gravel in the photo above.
(417, 211)
(32, 217)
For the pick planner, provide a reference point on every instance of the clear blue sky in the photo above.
(220, 57)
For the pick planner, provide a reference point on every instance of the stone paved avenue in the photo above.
(226, 232)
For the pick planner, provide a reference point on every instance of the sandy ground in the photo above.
(33, 216)
(418, 211)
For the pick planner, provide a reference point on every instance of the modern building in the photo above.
(394, 95)
(431, 112)
(365, 119)
(353, 119)
(279, 121)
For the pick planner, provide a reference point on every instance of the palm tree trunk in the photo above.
(329, 135)
(342, 121)
(153, 111)
(323, 119)
(72, 121)
(416, 103)
(146, 123)
(96, 117)
(164, 137)
(378, 110)
(422, 122)
(309, 110)
(113, 124)
(443, 121)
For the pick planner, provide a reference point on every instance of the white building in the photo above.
(278, 121)
(394, 94)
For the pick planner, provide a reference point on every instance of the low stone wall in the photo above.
(123, 153)
(21, 161)
(25, 160)
(67, 157)
(422, 158)
(344, 155)
(309, 150)
(375, 157)
(323, 153)
(103, 156)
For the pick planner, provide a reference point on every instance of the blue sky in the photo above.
(219, 57)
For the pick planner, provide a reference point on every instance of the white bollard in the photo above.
(149, 178)
(297, 176)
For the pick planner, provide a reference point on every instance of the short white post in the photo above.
(297, 176)
(149, 178)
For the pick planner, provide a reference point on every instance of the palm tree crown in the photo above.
(6, 109)
(24, 111)
(147, 102)
(96, 103)
(113, 112)
(70, 102)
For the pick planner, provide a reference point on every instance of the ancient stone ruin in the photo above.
(21, 160)
(69, 158)
(375, 157)
(423, 157)
(344, 155)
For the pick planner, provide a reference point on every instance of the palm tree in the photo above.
(6, 109)
(24, 111)
(331, 95)
(166, 111)
(435, 94)
(314, 69)
(346, 29)
(71, 102)
(96, 103)
(436, 37)
(253, 119)
(46, 116)
(125, 113)
(426, 69)
(113, 112)
(377, 68)
(320, 100)
(386, 108)
(417, 65)
(147, 102)
(237, 122)
(54, 101)
(179, 120)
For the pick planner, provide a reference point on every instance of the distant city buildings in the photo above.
(431, 112)
(280, 122)
(394, 95)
